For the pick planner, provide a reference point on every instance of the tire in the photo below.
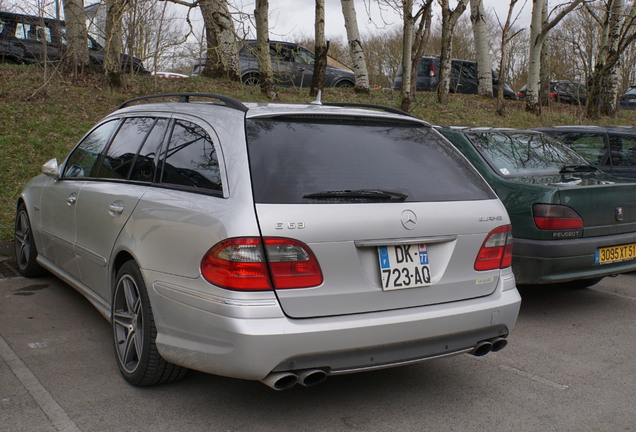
(344, 84)
(25, 250)
(252, 79)
(134, 332)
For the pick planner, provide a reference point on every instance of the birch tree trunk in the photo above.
(449, 19)
(538, 33)
(603, 92)
(482, 49)
(321, 47)
(266, 76)
(407, 44)
(76, 55)
(420, 39)
(112, 57)
(356, 51)
(222, 60)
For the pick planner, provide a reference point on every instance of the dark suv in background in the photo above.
(464, 77)
(292, 65)
(35, 40)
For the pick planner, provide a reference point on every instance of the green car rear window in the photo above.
(522, 153)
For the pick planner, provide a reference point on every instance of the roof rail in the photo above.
(185, 97)
(359, 105)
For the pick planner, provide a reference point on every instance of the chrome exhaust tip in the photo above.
(311, 377)
(280, 380)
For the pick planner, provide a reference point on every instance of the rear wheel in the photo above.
(252, 79)
(134, 332)
(25, 249)
(344, 84)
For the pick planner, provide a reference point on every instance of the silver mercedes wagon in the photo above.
(273, 242)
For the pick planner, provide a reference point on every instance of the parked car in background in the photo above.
(292, 65)
(628, 99)
(35, 40)
(569, 92)
(572, 224)
(169, 75)
(273, 242)
(464, 77)
(611, 149)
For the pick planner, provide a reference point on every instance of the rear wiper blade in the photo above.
(577, 168)
(367, 194)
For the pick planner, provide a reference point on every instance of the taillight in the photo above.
(556, 217)
(245, 264)
(496, 251)
(520, 95)
(431, 68)
(553, 95)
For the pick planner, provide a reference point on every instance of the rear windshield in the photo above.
(523, 153)
(343, 160)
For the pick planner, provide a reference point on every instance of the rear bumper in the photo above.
(249, 341)
(555, 261)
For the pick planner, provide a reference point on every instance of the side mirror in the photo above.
(51, 169)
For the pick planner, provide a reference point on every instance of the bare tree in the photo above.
(321, 47)
(482, 49)
(76, 56)
(617, 35)
(222, 60)
(505, 38)
(539, 30)
(407, 61)
(356, 51)
(449, 19)
(112, 58)
(268, 87)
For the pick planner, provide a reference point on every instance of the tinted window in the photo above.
(524, 153)
(83, 160)
(295, 157)
(123, 150)
(191, 159)
(623, 149)
(144, 166)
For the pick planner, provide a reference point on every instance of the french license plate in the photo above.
(404, 266)
(615, 253)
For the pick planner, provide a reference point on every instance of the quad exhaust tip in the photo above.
(286, 380)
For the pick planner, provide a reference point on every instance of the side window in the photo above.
(629, 150)
(143, 168)
(121, 155)
(21, 31)
(303, 56)
(191, 159)
(83, 160)
(591, 147)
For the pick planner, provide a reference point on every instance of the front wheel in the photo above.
(344, 84)
(25, 249)
(134, 332)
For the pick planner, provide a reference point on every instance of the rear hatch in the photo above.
(371, 197)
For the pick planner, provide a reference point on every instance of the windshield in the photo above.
(334, 160)
(525, 153)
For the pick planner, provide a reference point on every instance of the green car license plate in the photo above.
(615, 253)
(404, 266)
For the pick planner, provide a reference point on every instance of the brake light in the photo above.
(556, 217)
(496, 251)
(520, 95)
(243, 264)
(431, 69)
(553, 95)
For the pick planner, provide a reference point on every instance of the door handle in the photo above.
(71, 199)
(116, 208)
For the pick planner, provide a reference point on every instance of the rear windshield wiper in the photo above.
(577, 168)
(364, 194)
